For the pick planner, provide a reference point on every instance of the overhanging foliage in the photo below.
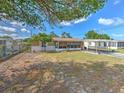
(36, 12)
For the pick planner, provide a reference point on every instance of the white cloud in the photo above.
(2, 34)
(119, 21)
(65, 23)
(17, 36)
(118, 35)
(111, 21)
(116, 2)
(68, 23)
(13, 35)
(25, 30)
(7, 29)
(79, 20)
(15, 23)
(105, 21)
(21, 37)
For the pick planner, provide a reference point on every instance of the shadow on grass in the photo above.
(66, 77)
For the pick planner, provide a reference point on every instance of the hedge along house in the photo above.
(62, 44)
(103, 44)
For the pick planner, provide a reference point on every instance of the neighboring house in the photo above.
(17, 45)
(6, 46)
(68, 44)
(102, 44)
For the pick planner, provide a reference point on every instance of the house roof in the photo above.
(79, 40)
(103, 40)
(66, 40)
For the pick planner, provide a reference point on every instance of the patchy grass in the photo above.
(81, 57)
(65, 72)
(120, 51)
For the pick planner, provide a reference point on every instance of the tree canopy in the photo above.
(66, 35)
(53, 34)
(41, 37)
(36, 12)
(5, 37)
(94, 35)
(48, 37)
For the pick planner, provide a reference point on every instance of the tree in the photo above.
(41, 37)
(105, 36)
(94, 35)
(63, 35)
(66, 35)
(44, 37)
(5, 37)
(91, 35)
(53, 34)
(37, 12)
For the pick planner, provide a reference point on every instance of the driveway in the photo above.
(108, 53)
(118, 55)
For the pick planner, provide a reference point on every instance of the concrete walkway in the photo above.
(113, 54)
(118, 55)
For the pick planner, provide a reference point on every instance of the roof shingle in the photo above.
(67, 39)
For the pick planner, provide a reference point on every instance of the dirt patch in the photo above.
(32, 74)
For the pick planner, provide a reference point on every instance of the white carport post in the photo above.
(116, 45)
(107, 45)
(96, 46)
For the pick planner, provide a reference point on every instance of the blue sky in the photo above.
(109, 20)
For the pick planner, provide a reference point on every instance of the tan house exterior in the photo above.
(62, 44)
(38, 46)
(59, 44)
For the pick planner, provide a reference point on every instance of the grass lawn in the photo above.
(121, 51)
(81, 57)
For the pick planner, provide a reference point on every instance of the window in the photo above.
(105, 44)
(112, 44)
(120, 44)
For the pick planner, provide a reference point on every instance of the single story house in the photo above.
(18, 45)
(6, 46)
(102, 44)
(62, 44)
(67, 44)
(59, 44)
